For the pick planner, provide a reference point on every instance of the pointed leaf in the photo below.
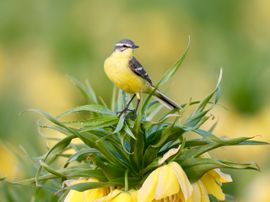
(87, 90)
(100, 109)
(172, 70)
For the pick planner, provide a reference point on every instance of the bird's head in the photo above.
(125, 44)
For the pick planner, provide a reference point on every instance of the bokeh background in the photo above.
(43, 41)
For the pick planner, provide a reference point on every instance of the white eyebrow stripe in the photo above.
(119, 44)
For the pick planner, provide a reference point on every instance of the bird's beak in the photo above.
(135, 46)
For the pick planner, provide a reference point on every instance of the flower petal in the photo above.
(168, 154)
(126, 196)
(199, 193)
(110, 196)
(213, 187)
(183, 181)
(119, 196)
(85, 196)
(167, 183)
(147, 192)
(196, 194)
(220, 176)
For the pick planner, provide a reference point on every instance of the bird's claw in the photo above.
(125, 110)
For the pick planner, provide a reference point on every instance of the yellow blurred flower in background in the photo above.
(233, 124)
(258, 190)
(166, 181)
(48, 88)
(90, 195)
(8, 168)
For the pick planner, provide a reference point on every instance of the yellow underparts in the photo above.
(117, 69)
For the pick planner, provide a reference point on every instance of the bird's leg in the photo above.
(137, 104)
(126, 108)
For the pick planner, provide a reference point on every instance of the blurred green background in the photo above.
(42, 41)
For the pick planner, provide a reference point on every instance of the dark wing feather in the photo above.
(138, 69)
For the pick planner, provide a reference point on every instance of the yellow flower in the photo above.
(258, 190)
(9, 164)
(209, 184)
(120, 196)
(166, 181)
(212, 180)
(90, 195)
(199, 193)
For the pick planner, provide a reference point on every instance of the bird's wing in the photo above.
(138, 69)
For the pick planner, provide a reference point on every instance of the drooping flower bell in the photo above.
(213, 180)
(166, 181)
(90, 195)
(199, 193)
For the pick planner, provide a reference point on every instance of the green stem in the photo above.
(126, 180)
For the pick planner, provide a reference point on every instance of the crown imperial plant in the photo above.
(152, 157)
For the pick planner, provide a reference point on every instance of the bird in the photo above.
(127, 73)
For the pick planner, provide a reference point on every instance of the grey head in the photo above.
(125, 44)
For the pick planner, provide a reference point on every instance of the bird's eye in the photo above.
(125, 46)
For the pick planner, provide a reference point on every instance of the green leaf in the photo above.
(100, 109)
(195, 168)
(70, 173)
(122, 100)
(111, 171)
(167, 76)
(88, 185)
(254, 142)
(114, 95)
(173, 69)
(150, 154)
(198, 117)
(51, 170)
(90, 92)
(50, 118)
(215, 92)
(152, 113)
(120, 124)
(86, 90)
(102, 101)
(205, 134)
(218, 142)
(93, 185)
(169, 134)
(129, 132)
(195, 119)
(82, 154)
(123, 143)
(104, 147)
(99, 123)
(137, 146)
(57, 148)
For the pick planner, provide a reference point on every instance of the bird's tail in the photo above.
(166, 100)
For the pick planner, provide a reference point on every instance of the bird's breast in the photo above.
(118, 71)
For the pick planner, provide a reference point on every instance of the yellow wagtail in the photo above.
(124, 70)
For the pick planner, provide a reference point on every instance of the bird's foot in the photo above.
(124, 111)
